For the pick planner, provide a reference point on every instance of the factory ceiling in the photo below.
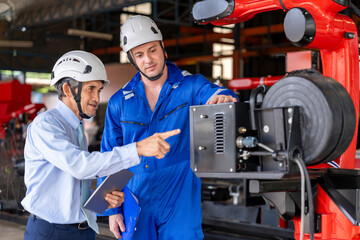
(34, 33)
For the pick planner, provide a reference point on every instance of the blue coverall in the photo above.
(168, 191)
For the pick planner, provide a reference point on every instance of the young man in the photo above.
(58, 167)
(158, 99)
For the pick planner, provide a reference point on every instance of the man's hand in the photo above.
(115, 199)
(155, 145)
(222, 99)
(116, 222)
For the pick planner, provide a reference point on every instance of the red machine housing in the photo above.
(15, 100)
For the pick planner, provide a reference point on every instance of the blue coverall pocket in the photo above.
(172, 111)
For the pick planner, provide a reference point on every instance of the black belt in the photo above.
(81, 226)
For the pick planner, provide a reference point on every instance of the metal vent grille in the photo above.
(219, 128)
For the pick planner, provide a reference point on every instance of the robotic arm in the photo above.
(311, 24)
(314, 24)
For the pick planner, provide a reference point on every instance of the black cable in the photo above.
(310, 197)
(252, 103)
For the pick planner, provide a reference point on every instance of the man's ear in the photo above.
(129, 55)
(67, 90)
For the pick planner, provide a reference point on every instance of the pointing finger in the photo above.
(165, 135)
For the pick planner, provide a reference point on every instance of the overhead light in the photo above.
(16, 43)
(89, 34)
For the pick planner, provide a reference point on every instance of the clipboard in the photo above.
(116, 181)
(131, 211)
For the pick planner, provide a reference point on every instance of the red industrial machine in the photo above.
(294, 61)
(333, 211)
(252, 82)
(16, 112)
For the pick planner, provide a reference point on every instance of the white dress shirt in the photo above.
(55, 165)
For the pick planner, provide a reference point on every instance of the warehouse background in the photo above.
(35, 33)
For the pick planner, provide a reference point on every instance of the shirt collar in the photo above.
(68, 114)
(174, 74)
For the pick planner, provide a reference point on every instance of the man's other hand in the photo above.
(222, 99)
(116, 223)
(155, 145)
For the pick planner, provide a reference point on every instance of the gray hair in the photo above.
(59, 86)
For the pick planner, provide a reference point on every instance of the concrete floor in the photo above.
(11, 231)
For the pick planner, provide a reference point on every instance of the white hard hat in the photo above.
(138, 30)
(81, 66)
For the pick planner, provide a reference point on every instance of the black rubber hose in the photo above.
(252, 100)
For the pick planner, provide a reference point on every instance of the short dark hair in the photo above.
(59, 86)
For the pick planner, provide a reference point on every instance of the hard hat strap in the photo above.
(77, 98)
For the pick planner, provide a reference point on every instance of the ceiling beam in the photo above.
(56, 11)
(89, 34)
